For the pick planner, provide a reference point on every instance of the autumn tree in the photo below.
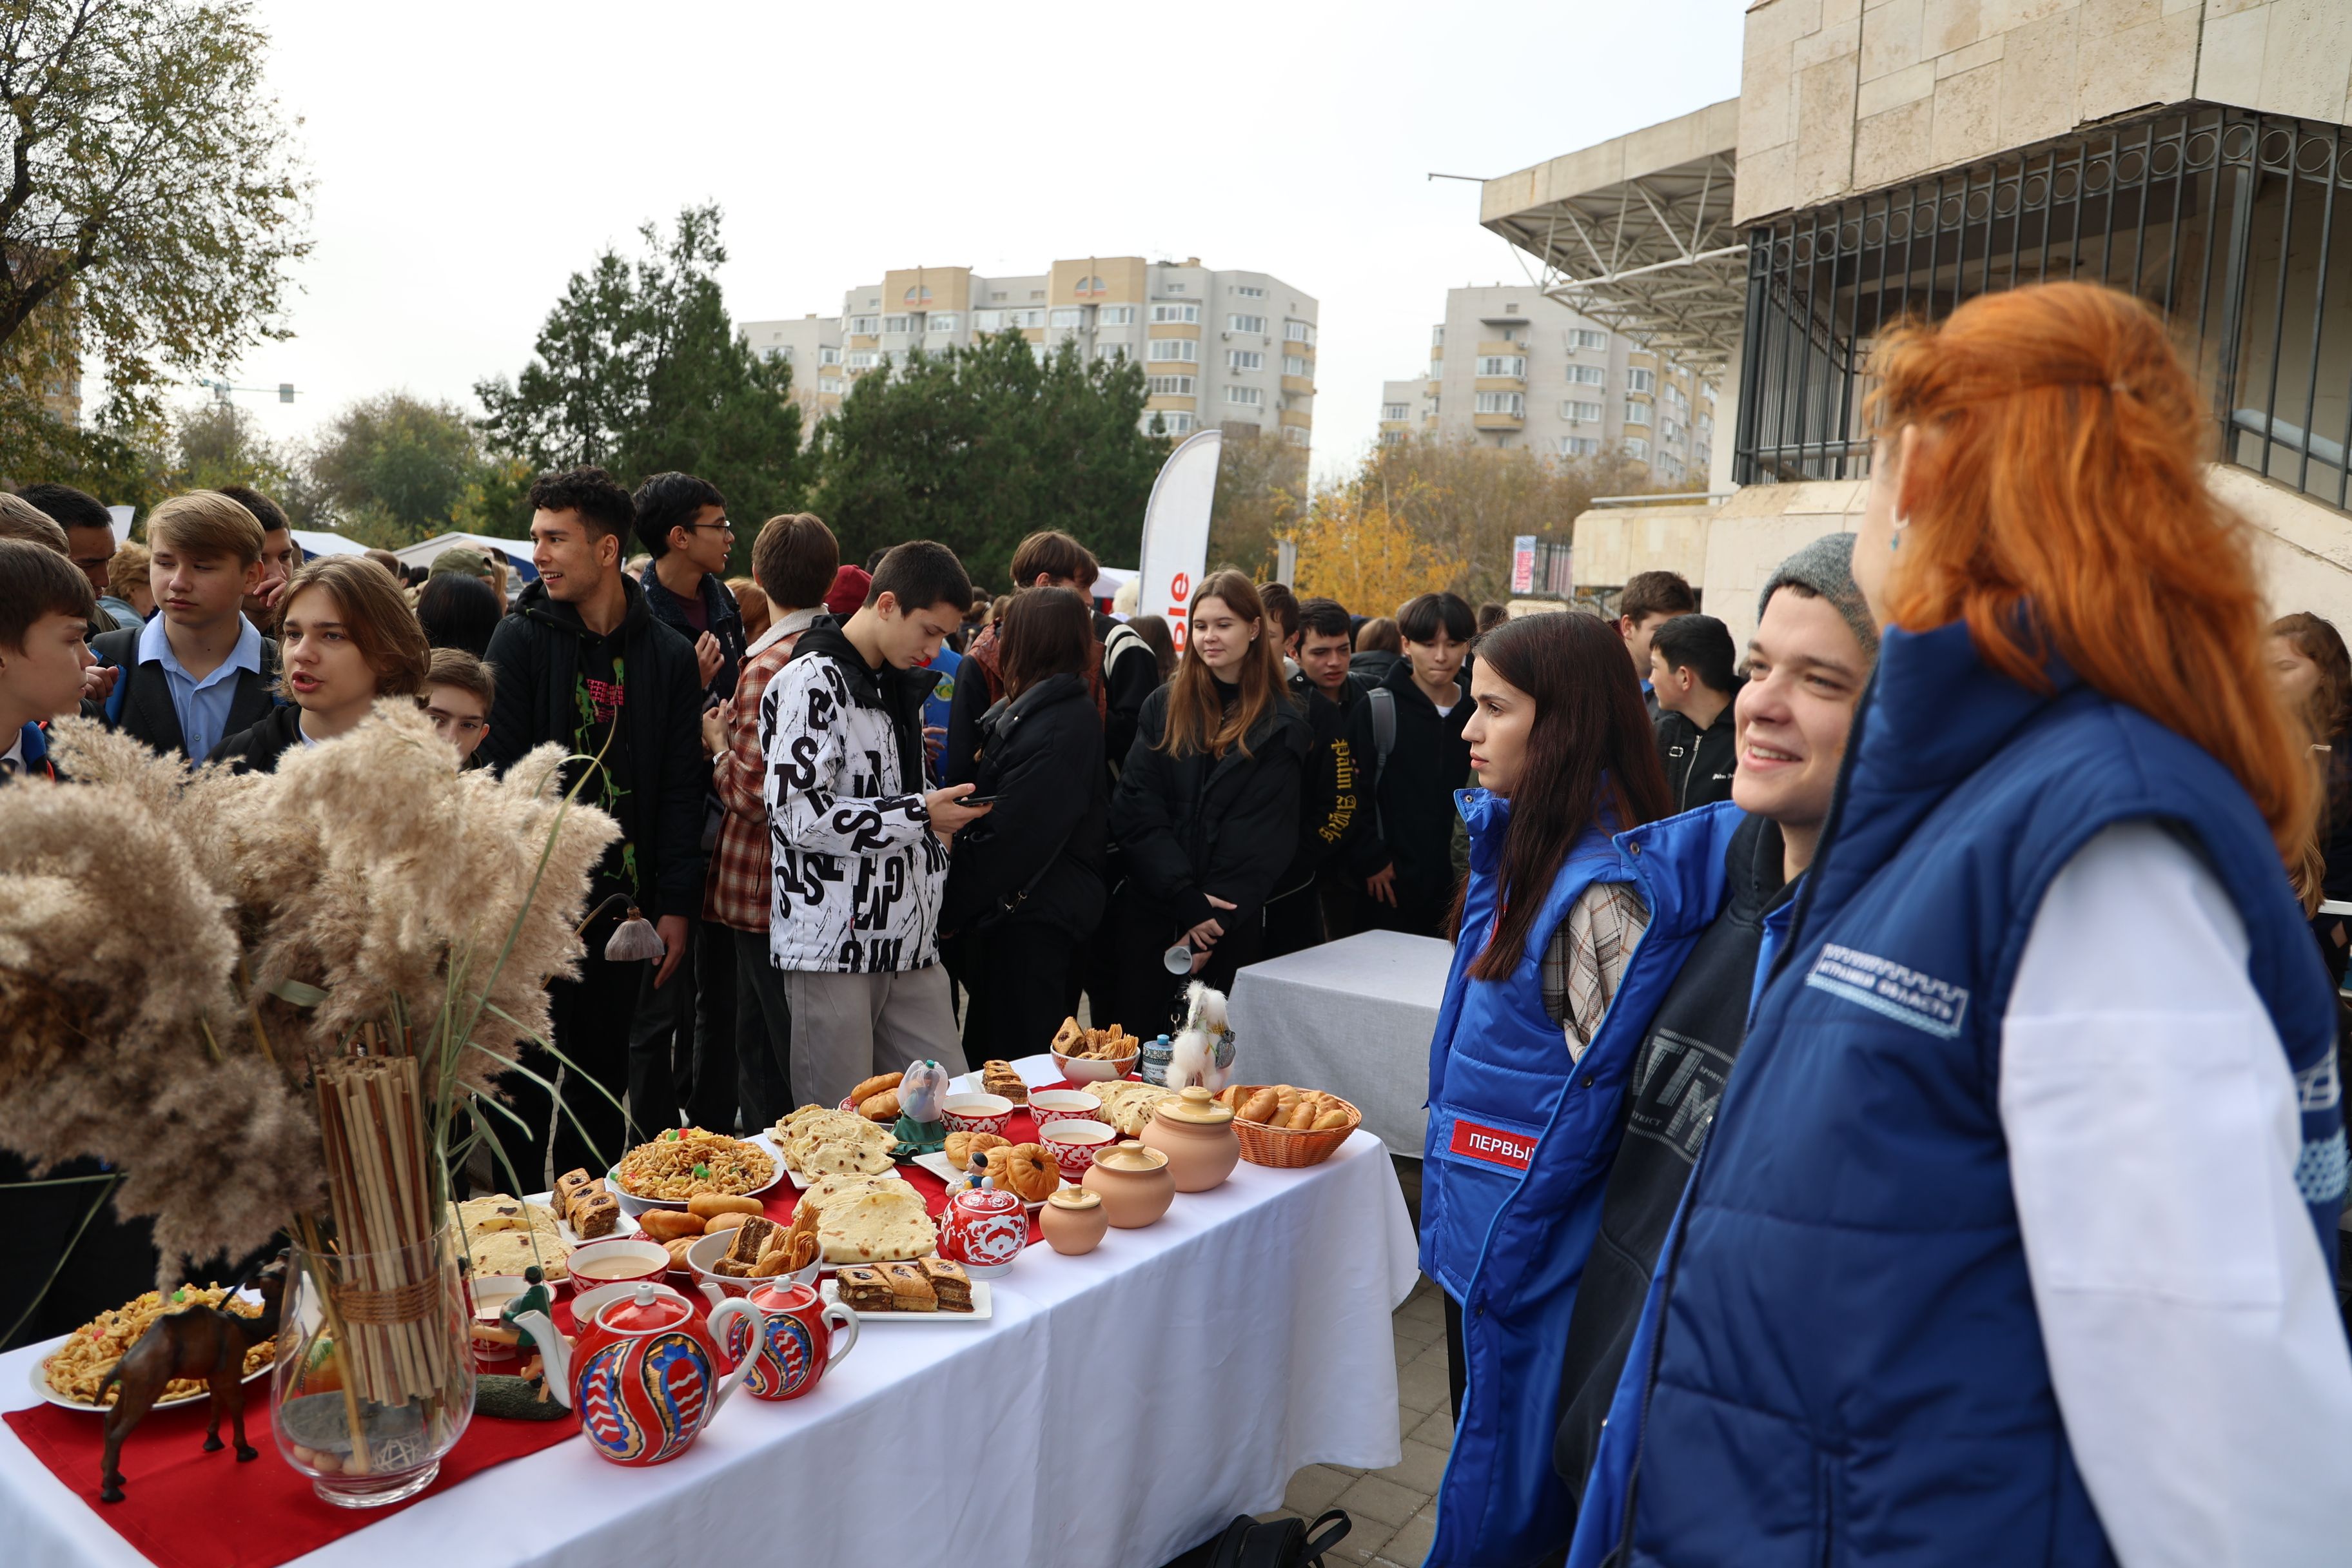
(153, 193)
(1357, 544)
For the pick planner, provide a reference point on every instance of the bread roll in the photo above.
(1329, 1119)
(874, 1086)
(678, 1250)
(711, 1204)
(1302, 1117)
(668, 1225)
(719, 1222)
(882, 1107)
(1261, 1106)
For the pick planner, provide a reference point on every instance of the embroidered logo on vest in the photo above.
(2317, 1086)
(1937, 1007)
(1495, 1147)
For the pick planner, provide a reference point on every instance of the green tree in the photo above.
(638, 368)
(1261, 484)
(977, 446)
(217, 444)
(152, 190)
(394, 469)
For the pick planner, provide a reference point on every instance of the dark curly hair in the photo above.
(592, 492)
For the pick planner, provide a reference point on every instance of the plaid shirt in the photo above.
(1586, 961)
(736, 892)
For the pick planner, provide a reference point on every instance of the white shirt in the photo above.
(2190, 1324)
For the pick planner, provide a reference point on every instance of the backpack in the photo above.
(1383, 702)
(1281, 1543)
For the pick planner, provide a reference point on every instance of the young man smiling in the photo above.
(582, 662)
(198, 670)
(1807, 665)
(861, 849)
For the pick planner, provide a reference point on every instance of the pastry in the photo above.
(877, 1227)
(719, 1222)
(1002, 1080)
(570, 1186)
(710, 1203)
(598, 1214)
(874, 1086)
(882, 1107)
(1260, 1107)
(668, 1225)
(962, 1145)
(751, 1236)
(677, 1251)
(732, 1270)
(1069, 1039)
(1025, 1170)
(948, 1283)
(1329, 1119)
(909, 1291)
(863, 1288)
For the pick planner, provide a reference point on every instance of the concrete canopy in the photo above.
(1636, 233)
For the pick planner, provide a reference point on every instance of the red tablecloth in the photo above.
(186, 1509)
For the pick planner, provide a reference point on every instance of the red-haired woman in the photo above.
(1206, 814)
(2013, 1240)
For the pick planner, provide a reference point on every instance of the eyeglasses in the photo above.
(723, 525)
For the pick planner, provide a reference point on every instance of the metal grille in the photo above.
(2223, 220)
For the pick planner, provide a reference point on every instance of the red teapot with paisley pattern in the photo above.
(645, 1375)
(797, 1337)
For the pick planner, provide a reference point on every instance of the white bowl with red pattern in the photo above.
(977, 1113)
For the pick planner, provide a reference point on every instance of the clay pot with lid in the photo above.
(1074, 1221)
(1197, 1135)
(1135, 1183)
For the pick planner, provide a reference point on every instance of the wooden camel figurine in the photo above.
(203, 1342)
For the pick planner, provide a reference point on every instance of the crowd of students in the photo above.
(1886, 1103)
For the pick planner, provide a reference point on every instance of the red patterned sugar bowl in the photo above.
(800, 1337)
(643, 1374)
(1047, 1105)
(977, 1113)
(1074, 1143)
(984, 1230)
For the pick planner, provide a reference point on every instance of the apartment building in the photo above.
(1511, 367)
(1218, 347)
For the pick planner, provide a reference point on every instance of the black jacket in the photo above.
(536, 652)
(1698, 761)
(1332, 805)
(1413, 826)
(1041, 757)
(257, 749)
(1192, 826)
(719, 607)
(145, 711)
(1371, 667)
(1131, 677)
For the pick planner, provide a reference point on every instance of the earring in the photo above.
(1902, 521)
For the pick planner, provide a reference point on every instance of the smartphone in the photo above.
(977, 800)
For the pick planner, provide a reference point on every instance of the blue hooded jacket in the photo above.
(1839, 1360)
(1519, 1148)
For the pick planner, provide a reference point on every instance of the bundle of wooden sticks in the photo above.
(391, 1283)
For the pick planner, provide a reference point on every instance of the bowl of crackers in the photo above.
(1093, 1056)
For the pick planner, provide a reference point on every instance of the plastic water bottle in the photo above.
(1157, 1055)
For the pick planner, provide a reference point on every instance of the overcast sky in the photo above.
(470, 156)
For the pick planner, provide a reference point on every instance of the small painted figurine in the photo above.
(203, 1342)
(921, 1127)
(535, 1298)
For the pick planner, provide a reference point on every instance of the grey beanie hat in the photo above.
(1826, 566)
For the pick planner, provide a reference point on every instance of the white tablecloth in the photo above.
(1117, 1409)
(1352, 1017)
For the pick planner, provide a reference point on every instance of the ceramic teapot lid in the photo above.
(647, 1310)
(782, 1294)
(1131, 1156)
(1196, 1104)
(984, 1200)
(1074, 1198)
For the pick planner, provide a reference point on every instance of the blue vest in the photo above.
(1519, 1144)
(1841, 1362)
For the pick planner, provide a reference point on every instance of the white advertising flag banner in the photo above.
(1176, 532)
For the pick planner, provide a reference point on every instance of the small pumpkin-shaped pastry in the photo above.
(1027, 1169)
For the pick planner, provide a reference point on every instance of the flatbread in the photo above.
(877, 1227)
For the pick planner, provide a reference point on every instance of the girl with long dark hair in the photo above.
(1524, 1081)
(1025, 890)
(1206, 813)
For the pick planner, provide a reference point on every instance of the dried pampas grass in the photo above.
(178, 951)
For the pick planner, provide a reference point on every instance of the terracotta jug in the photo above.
(1134, 1183)
(1197, 1135)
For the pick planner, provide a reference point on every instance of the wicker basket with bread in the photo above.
(1288, 1128)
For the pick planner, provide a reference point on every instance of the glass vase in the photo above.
(374, 1380)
